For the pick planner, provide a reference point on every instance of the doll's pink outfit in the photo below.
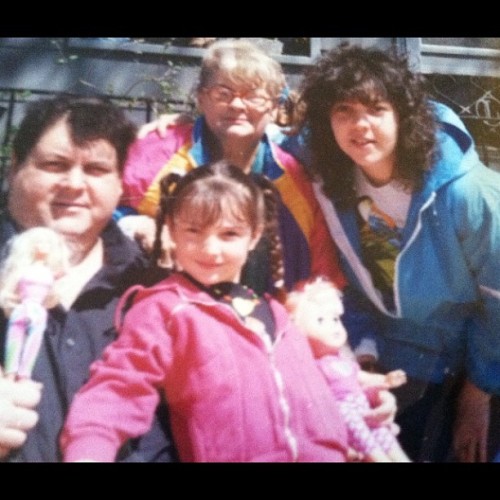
(27, 321)
(342, 373)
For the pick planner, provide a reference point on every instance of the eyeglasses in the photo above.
(221, 94)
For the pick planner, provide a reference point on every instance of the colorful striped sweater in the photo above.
(308, 247)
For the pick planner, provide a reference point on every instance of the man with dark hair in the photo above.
(67, 162)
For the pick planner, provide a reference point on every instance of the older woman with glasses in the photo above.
(237, 97)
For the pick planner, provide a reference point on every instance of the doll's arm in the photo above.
(369, 380)
(391, 380)
(395, 378)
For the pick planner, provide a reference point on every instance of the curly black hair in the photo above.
(366, 75)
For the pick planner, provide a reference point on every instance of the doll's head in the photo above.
(316, 308)
(35, 246)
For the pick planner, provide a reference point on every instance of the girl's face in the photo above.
(215, 253)
(368, 135)
(236, 112)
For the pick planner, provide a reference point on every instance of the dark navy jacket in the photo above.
(75, 338)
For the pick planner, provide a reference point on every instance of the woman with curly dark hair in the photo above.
(416, 217)
(370, 78)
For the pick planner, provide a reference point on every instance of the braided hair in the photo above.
(272, 231)
(211, 190)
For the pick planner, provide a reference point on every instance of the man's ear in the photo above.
(14, 166)
(14, 162)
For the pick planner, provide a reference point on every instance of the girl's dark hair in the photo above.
(367, 76)
(217, 188)
(88, 118)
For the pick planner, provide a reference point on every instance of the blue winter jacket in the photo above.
(447, 276)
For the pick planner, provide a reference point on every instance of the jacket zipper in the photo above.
(290, 438)
(418, 227)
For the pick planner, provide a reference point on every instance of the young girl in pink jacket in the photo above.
(239, 378)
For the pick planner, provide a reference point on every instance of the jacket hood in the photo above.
(457, 152)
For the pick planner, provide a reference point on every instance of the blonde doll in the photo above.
(316, 309)
(35, 259)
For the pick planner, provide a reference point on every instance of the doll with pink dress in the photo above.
(316, 308)
(35, 259)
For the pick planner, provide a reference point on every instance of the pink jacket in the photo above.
(233, 395)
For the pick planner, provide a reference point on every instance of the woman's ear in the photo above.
(273, 112)
(199, 98)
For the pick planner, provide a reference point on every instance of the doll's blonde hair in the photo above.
(20, 255)
(315, 290)
(243, 63)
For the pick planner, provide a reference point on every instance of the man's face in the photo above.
(71, 189)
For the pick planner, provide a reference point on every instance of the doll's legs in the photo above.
(14, 342)
(360, 436)
(33, 341)
(389, 444)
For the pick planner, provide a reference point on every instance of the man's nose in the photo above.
(74, 177)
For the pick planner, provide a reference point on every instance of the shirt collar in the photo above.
(200, 150)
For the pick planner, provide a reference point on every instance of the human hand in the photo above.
(354, 455)
(142, 228)
(162, 123)
(383, 411)
(470, 436)
(18, 400)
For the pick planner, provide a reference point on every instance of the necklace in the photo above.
(239, 297)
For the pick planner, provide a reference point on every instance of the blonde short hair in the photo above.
(317, 290)
(243, 63)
